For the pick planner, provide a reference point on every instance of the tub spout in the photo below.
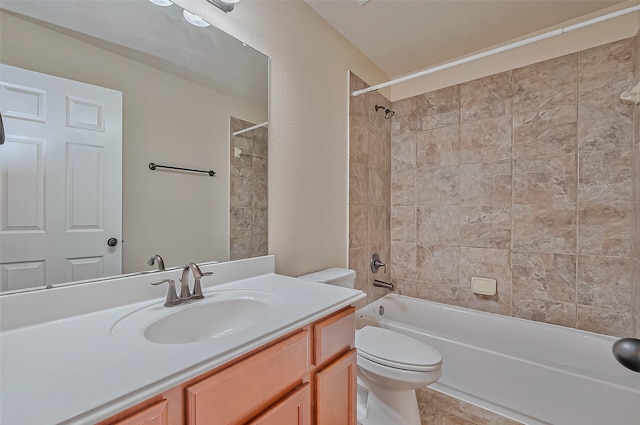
(381, 284)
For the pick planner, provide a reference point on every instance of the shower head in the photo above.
(388, 113)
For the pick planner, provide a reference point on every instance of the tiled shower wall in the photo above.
(248, 225)
(635, 254)
(524, 177)
(369, 188)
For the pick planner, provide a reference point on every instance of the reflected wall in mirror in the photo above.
(248, 206)
(180, 85)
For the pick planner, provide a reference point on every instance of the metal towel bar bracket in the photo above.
(153, 166)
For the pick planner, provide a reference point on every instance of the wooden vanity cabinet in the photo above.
(241, 391)
(294, 409)
(336, 392)
(156, 414)
(305, 378)
(336, 369)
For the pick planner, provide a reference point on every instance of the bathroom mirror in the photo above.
(180, 87)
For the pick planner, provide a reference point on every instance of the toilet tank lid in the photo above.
(335, 276)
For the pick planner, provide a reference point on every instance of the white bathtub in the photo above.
(531, 372)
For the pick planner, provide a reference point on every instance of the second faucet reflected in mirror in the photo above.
(157, 259)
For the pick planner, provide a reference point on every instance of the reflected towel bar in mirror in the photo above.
(153, 166)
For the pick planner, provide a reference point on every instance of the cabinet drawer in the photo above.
(242, 390)
(334, 335)
(152, 415)
(295, 409)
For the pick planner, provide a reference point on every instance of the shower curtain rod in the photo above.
(235, 133)
(500, 49)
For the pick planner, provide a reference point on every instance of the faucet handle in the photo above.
(172, 296)
(197, 287)
(195, 270)
(376, 264)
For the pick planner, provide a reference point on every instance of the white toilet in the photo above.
(391, 366)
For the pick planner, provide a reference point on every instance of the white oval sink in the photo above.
(219, 315)
(205, 321)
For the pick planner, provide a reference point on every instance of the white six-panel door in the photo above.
(60, 180)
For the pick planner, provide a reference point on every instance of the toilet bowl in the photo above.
(391, 366)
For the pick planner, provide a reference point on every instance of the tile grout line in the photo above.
(577, 159)
(513, 115)
(459, 251)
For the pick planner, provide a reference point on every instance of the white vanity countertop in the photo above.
(76, 371)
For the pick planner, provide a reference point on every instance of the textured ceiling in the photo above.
(404, 36)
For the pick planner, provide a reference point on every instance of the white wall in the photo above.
(167, 120)
(308, 126)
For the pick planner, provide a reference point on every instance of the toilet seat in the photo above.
(396, 350)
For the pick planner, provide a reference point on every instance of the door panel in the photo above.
(23, 102)
(84, 268)
(61, 178)
(12, 275)
(85, 187)
(23, 188)
(84, 113)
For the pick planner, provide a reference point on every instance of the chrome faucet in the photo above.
(197, 275)
(157, 259)
(185, 293)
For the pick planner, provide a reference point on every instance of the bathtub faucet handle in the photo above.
(376, 264)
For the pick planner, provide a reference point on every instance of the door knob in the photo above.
(112, 242)
(1, 130)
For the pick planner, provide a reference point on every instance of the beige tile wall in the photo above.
(369, 188)
(635, 243)
(524, 177)
(248, 229)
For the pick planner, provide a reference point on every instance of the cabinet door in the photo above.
(336, 392)
(295, 409)
(152, 415)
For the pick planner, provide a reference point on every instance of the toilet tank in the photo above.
(334, 276)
